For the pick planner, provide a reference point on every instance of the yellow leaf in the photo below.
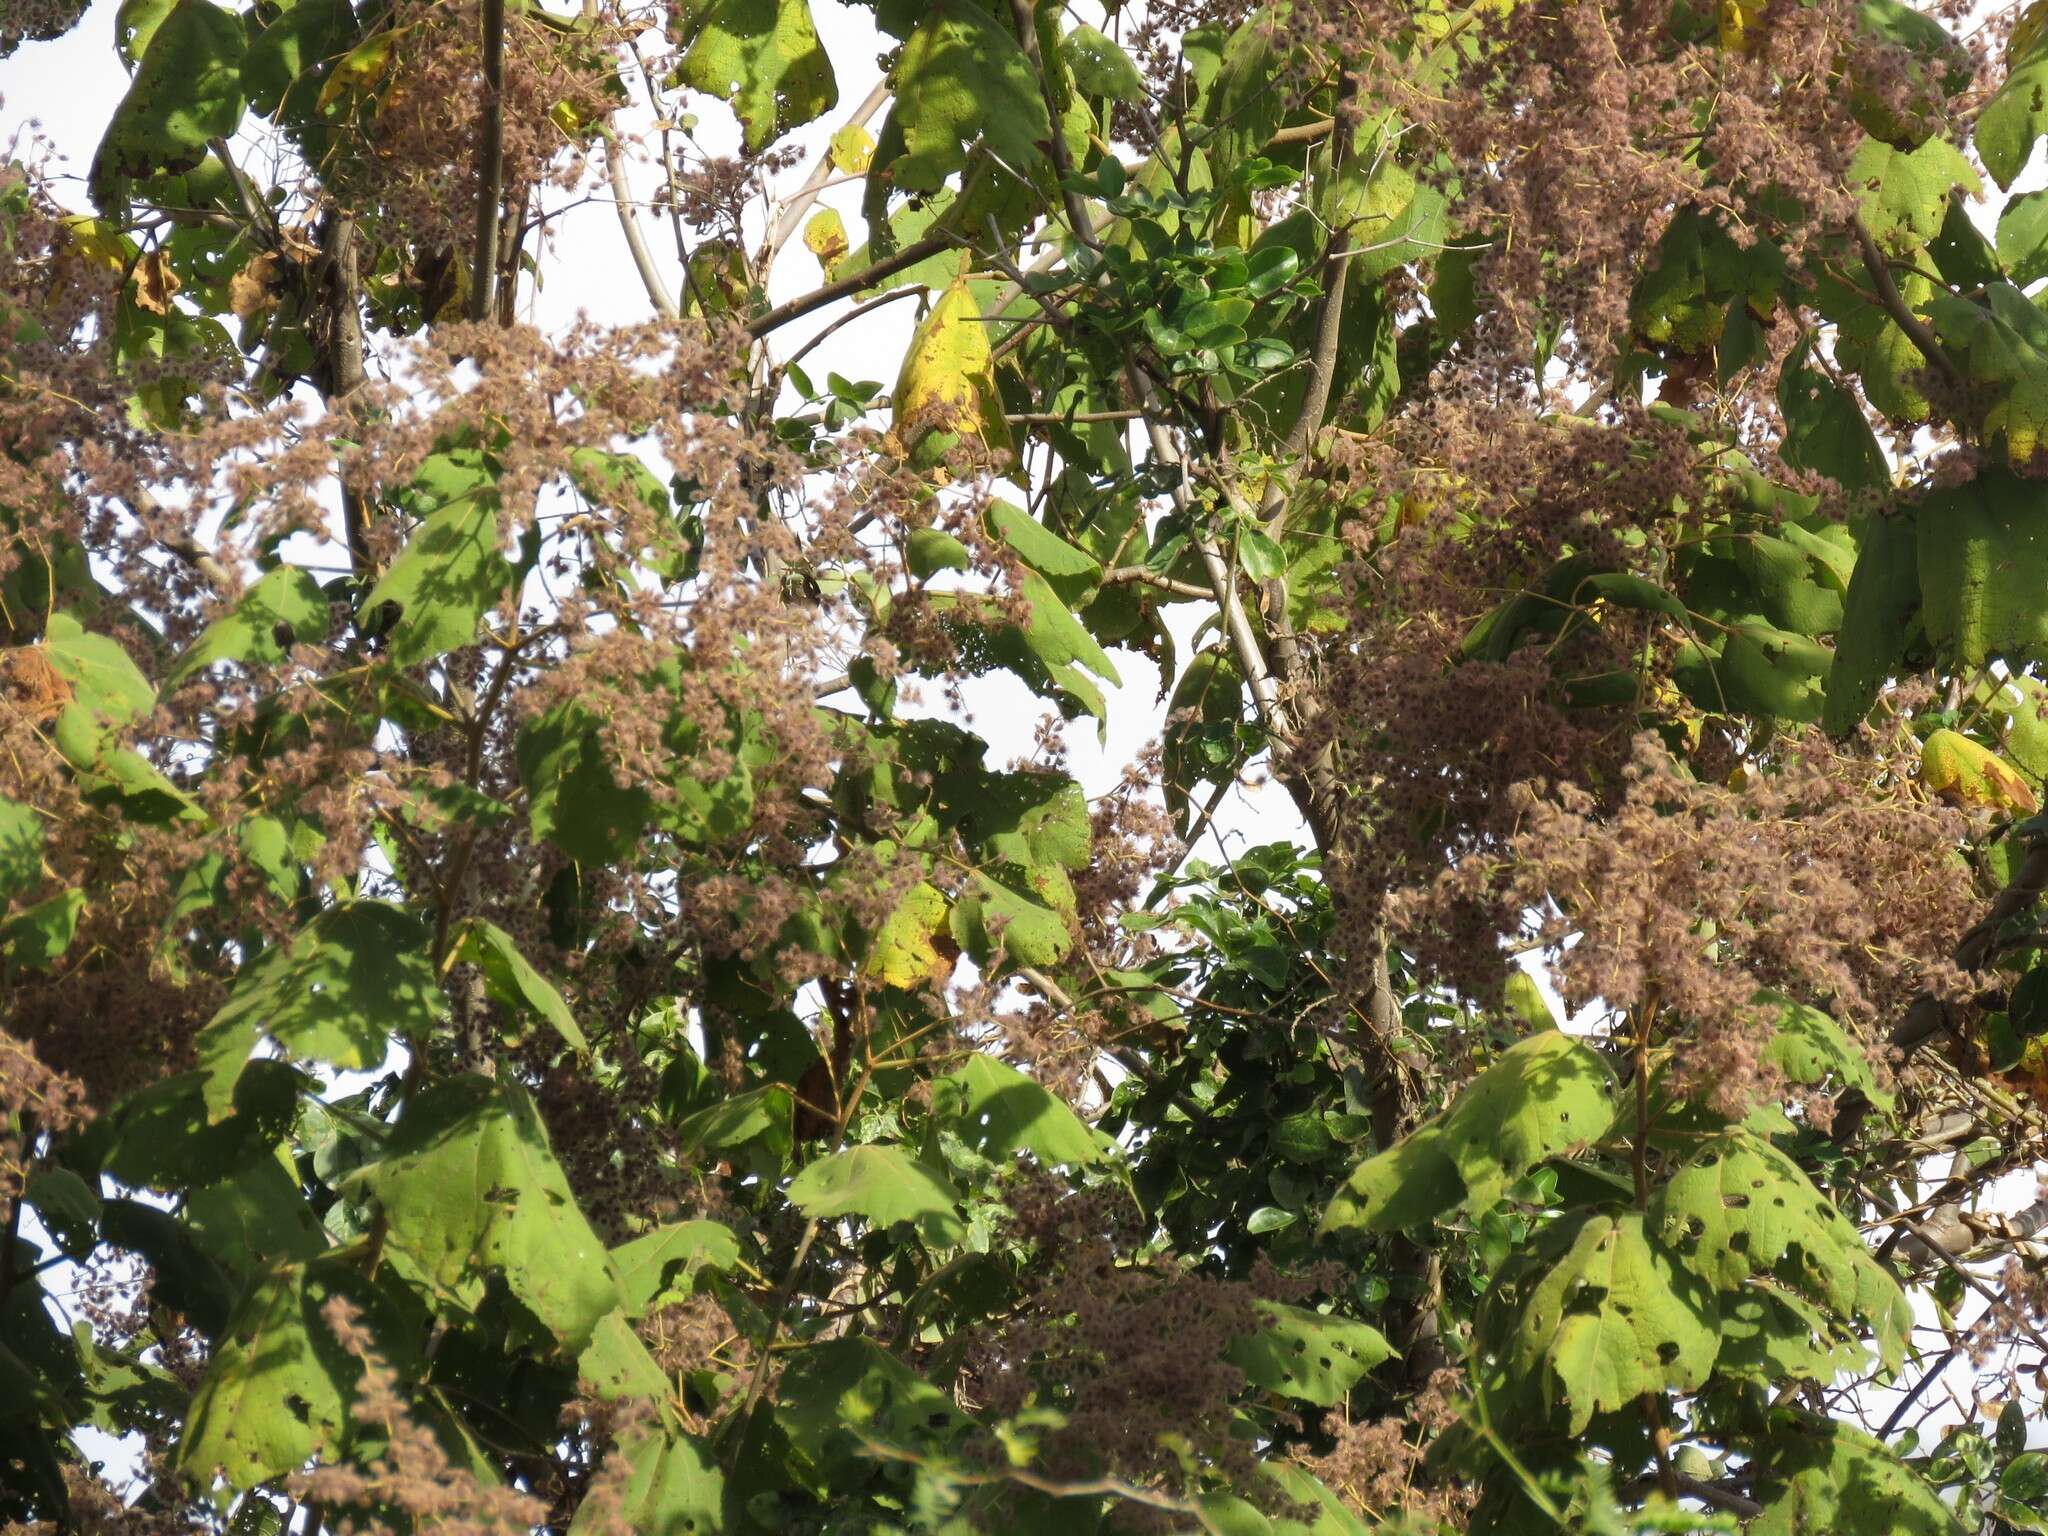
(154, 282)
(853, 148)
(1963, 773)
(825, 238)
(903, 954)
(100, 243)
(947, 390)
(360, 68)
(1736, 19)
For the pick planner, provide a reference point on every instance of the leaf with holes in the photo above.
(1305, 1355)
(764, 57)
(1615, 1318)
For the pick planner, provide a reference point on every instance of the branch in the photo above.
(1140, 576)
(1024, 14)
(791, 217)
(490, 164)
(629, 223)
(1895, 305)
(853, 282)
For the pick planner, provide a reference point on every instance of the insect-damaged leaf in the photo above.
(1546, 1096)
(945, 390)
(468, 1186)
(763, 56)
(1614, 1318)
(187, 90)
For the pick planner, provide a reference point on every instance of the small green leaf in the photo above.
(513, 982)
(283, 609)
(21, 849)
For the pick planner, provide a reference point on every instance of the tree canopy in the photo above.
(526, 1004)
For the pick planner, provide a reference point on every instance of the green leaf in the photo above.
(616, 1365)
(762, 56)
(1820, 1477)
(883, 1185)
(2023, 237)
(468, 1186)
(1546, 1096)
(1001, 1112)
(512, 981)
(1071, 573)
(1741, 1208)
(1305, 1355)
(2014, 117)
(901, 953)
(1613, 1319)
(1906, 192)
(284, 608)
(1030, 818)
(1884, 594)
(254, 1218)
(104, 681)
(1100, 66)
(572, 799)
(1983, 563)
(841, 1392)
(961, 78)
(1824, 428)
(1809, 1047)
(2004, 349)
(335, 993)
(668, 1259)
(21, 849)
(296, 47)
(675, 1489)
(449, 575)
(68, 1207)
(996, 914)
(930, 551)
(277, 1386)
(38, 936)
(186, 91)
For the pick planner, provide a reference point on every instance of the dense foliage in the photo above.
(523, 1003)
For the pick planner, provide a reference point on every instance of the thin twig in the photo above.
(853, 282)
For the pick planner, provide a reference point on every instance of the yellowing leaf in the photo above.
(853, 148)
(946, 390)
(903, 954)
(825, 238)
(1966, 774)
(360, 68)
(1737, 17)
(99, 242)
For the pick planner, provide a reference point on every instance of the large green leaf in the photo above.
(21, 849)
(335, 992)
(277, 1386)
(675, 1489)
(449, 574)
(572, 799)
(1983, 563)
(1547, 1096)
(1741, 1208)
(1884, 594)
(668, 1258)
(2014, 117)
(1906, 192)
(187, 90)
(1000, 1112)
(1615, 1318)
(282, 609)
(1306, 1355)
(468, 1186)
(883, 1185)
(763, 56)
(961, 78)
(104, 680)
(2004, 349)
(1820, 1478)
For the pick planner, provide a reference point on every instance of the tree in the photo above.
(523, 1008)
